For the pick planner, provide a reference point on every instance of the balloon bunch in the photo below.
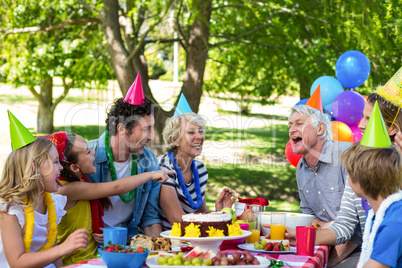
(345, 107)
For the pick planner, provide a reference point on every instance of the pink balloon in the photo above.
(356, 132)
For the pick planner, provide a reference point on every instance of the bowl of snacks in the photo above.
(120, 256)
(298, 219)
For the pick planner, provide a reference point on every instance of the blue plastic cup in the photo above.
(115, 235)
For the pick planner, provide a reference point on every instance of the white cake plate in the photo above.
(205, 243)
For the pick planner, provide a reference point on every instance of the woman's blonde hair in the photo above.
(171, 132)
(21, 177)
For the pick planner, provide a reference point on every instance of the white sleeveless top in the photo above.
(40, 228)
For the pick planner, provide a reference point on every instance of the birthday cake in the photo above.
(218, 220)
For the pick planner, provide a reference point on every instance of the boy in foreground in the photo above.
(374, 170)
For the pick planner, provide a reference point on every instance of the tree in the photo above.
(302, 43)
(40, 43)
(254, 49)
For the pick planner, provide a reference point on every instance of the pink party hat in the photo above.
(135, 95)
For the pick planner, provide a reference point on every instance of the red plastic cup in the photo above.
(305, 240)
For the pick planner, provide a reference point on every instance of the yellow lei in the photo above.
(30, 222)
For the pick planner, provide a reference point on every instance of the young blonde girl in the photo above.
(29, 212)
(83, 208)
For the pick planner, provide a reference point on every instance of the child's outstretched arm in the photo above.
(14, 247)
(76, 191)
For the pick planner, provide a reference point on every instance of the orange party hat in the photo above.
(315, 100)
(135, 95)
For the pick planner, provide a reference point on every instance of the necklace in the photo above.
(183, 186)
(30, 222)
(112, 169)
(372, 225)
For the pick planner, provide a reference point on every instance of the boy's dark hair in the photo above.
(377, 170)
(128, 114)
(72, 158)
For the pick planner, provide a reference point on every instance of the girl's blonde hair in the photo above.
(172, 130)
(21, 177)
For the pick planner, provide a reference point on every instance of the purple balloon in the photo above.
(348, 107)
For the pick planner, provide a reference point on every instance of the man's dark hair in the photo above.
(128, 114)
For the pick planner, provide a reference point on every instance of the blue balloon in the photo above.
(302, 102)
(352, 68)
(328, 110)
(329, 87)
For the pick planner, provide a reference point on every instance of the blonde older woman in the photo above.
(184, 192)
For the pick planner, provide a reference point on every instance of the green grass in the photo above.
(264, 171)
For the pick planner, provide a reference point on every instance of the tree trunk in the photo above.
(196, 55)
(196, 58)
(124, 70)
(46, 110)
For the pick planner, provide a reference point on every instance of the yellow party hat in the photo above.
(376, 134)
(20, 135)
(392, 91)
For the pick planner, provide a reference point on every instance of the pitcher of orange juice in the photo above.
(252, 218)
(278, 225)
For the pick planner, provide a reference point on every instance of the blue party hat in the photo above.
(182, 106)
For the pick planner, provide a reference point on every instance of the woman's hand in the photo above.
(290, 234)
(98, 237)
(161, 175)
(225, 199)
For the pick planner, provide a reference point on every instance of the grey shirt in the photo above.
(321, 190)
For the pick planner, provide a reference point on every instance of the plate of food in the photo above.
(270, 247)
(207, 242)
(154, 244)
(198, 257)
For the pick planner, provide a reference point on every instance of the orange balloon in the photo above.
(341, 132)
(365, 97)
